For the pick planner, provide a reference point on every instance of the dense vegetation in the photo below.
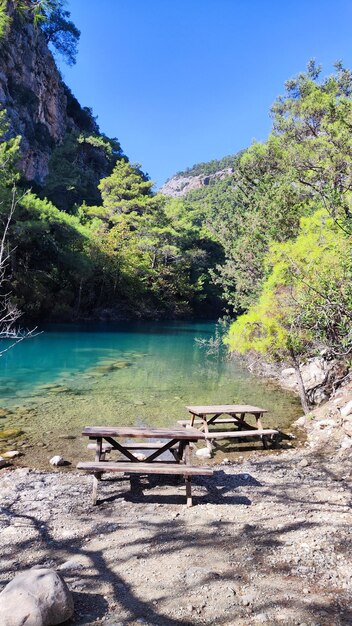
(128, 256)
(291, 255)
(94, 239)
(284, 221)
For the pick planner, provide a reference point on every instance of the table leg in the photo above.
(97, 475)
(188, 491)
(187, 458)
(205, 428)
(259, 425)
(258, 420)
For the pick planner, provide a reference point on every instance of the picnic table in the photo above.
(175, 440)
(236, 415)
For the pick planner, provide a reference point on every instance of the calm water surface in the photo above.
(132, 373)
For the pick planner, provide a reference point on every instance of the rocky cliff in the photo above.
(181, 184)
(40, 107)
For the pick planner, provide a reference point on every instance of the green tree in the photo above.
(52, 19)
(306, 300)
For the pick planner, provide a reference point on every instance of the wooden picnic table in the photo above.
(175, 440)
(204, 416)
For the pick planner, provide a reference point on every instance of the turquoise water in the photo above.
(131, 373)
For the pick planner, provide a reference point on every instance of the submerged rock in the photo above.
(38, 597)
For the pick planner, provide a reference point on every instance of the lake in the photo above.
(141, 373)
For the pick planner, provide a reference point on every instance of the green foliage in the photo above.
(126, 190)
(210, 167)
(306, 299)
(82, 116)
(61, 32)
(53, 20)
(9, 154)
(305, 164)
(4, 19)
(75, 168)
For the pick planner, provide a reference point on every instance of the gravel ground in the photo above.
(267, 542)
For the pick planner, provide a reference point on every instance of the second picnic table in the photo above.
(204, 416)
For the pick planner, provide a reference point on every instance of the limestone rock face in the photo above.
(32, 92)
(39, 105)
(37, 597)
(318, 377)
(180, 185)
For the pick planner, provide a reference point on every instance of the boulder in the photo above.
(37, 597)
(347, 409)
(3, 462)
(346, 443)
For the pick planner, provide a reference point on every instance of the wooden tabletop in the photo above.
(189, 434)
(225, 408)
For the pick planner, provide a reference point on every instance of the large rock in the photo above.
(37, 597)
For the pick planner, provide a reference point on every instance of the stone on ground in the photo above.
(57, 460)
(37, 597)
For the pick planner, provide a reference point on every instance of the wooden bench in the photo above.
(204, 417)
(124, 467)
(229, 434)
(161, 440)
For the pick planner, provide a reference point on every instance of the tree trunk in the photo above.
(301, 388)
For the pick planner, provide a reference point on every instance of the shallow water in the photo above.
(141, 373)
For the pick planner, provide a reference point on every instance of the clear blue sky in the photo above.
(184, 81)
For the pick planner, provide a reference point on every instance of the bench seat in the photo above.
(107, 447)
(145, 468)
(125, 467)
(222, 420)
(225, 434)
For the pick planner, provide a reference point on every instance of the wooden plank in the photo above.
(106, 447)
(229, 434)
(117, 446)
(221, 420)
(225, 408)
(190, 434)
(145, 468)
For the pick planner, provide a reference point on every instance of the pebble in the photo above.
(70, 565)
(11, 454)
(57, 460)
